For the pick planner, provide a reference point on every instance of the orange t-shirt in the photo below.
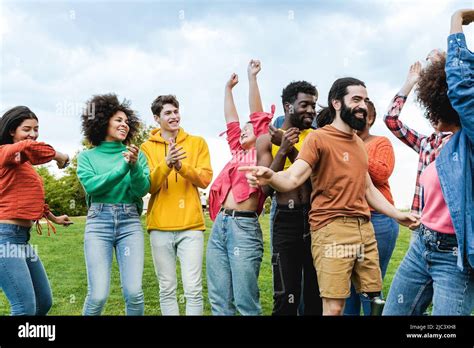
(339, 162)
(381, 163)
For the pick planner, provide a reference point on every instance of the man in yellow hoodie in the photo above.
(179, 165)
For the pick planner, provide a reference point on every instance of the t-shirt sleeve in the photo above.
(310, 150)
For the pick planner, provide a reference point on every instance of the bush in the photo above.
(64, 195)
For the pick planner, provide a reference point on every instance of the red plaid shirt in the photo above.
(427, 147)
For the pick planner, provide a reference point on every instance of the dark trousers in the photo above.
(292, 262)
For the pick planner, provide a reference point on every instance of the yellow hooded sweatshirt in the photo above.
(175, 203)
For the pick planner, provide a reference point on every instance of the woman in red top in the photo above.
(22, 276)
(235, 247)
(381, 164)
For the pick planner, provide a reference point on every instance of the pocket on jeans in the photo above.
(247, 224)
(446, 247)
(132, 212)
(93, 212)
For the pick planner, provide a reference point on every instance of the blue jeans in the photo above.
(386, 233)
(429, 274)
(112, 227)
(234, 255)
(22, 275)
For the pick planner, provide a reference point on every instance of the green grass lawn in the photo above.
(63, 257)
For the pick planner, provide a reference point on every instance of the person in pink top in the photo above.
(235, 247)
(438, 267)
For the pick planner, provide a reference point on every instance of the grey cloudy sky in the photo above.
(56, 54)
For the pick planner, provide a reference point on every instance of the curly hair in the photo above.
(432, 94)
(99, 110)
(371, 111)
(290, 92)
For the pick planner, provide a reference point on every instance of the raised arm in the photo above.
(283, 181)
(459, 71)
(460, 18)
(407, 135)
(255, 101)
(230, 111)
(264, 157)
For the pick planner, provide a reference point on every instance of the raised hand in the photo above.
(175, 155)
(233, 80)
(131, 156)
(414, 73)
(257, 175)
(289, 139)
(254, 68)
(276, 134)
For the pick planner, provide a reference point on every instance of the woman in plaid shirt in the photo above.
(427, 147)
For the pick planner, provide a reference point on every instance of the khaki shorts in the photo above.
(346, 250)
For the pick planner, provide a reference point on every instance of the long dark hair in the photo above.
(337, 92)
(11, 120)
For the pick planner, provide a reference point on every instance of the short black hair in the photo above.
(11, 120)
(290, 92)
(99, 110)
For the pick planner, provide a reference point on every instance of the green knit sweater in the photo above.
(108, 178)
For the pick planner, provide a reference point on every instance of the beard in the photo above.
(297, 120)
(348, 116)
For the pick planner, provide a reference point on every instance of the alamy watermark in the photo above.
(344, 251)
(23, 251)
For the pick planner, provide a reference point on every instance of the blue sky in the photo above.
(56, 54)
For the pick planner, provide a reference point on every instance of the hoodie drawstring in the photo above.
(175, 173)
(166, 180)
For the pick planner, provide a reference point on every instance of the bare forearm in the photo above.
(255, 101)
(456, 23)
(230, 111)
(406, 89)
(51, 217)
(293, 154)
(283, 181)
(277, 165)
(377, 201)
